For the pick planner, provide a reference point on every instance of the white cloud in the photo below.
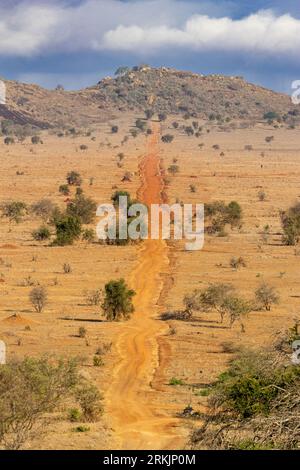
(28, 29)
(261, 32)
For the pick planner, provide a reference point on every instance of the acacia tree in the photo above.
(38, 297)
(117, 302)
(28, 390)
(214, 296)
(266, 295)
(14, 211)
(236, 308)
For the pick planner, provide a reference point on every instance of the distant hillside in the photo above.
(161, 89)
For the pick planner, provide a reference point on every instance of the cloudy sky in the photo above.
(77, 42)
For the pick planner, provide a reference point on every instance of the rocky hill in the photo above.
(163, 90)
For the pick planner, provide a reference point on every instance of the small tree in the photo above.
(149, 113)
(290, 221)
(41, 234)
(234, 214)
(64, 189)
(117, 302)
(167, 138)
(214, 297)
(93, 297)
(189, 130)
(9, 140)
(43, 208)
(266, 295)
(28, 391)
(237, 263)
(236, 308)
(89, 398)
(74, 178)
(140, 124)
(38, 297)
(14, 211)
(35, 139)
(173, 169)
(84, 208)
(115, 197)
(68, 229)
(162, 117)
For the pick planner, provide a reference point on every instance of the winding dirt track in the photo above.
(132, 401)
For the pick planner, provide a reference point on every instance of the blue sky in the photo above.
(77, 42)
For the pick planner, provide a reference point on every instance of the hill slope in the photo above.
(161, 89)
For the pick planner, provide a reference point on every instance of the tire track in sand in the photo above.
(132, 402)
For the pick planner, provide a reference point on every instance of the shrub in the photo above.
(173, 169)
(149, 113)
(67, 269)
(236, 308)
(140, 124)
(78, 192)
(117, 302)
(93, 297)
(88, 235)
(290, 221)
(162, 117)
(98, 361)
(237, 263)
(115, 197)
(270, 115)
(175, 381)
(9, 140)
(74, 178)
(249, 147)
(214, 296)
(193, 188)
(43, 208)
(90, 399)
(14, 211)
(222, 214)
(175, 124)
(83, 147)
(83, 208)
(234, 213)
(41, 234)
(82, 332)
(134, 133)
(261, 195)
(68, 229)
(64, 189)
(189, 130)
(266, 296)
(74, 415)
(167, 138)
(29, 390)
(38, 297)
(35, 139)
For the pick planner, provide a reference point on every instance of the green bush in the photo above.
(83, 208)
(74, 415)
(68, 229)
(117, 302)
(74, 178)
(89, 398)
(14, 211)
(41, 234)
(64, 189)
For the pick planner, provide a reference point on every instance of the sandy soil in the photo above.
(140, 404)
